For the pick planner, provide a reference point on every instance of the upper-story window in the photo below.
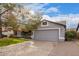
(44, 23)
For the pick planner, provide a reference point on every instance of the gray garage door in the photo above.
(48, 35)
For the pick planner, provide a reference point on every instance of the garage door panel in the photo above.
(49, 35)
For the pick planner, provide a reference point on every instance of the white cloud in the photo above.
(52, 9)
(40, 7)
(32, 12)
(46, 17)
(69, 17)
(55, 18)
(71, 20)
(35, 6)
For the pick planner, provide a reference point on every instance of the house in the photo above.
(7, 31)
(50, 31)
(77, 29)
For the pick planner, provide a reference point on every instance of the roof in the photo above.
(56, 23)
(62, 22)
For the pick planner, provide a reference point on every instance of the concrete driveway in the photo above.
(44, 48)
(66, 49)
(40, 48)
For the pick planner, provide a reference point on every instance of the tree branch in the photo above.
(4, 12)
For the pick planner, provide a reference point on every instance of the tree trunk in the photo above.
(0, 27)
(1, 22)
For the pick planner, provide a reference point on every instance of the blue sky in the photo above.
(55, 8)
(68, 11)
(63, 8)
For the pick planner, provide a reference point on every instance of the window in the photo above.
(44, 23)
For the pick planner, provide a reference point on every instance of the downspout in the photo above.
(65, 33)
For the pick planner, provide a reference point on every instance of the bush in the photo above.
(70, 35)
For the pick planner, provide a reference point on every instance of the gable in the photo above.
(50, 24)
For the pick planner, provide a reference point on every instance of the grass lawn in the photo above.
(9, 41)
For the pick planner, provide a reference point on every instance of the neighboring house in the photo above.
(7, 31)
(50, 31)
(77, 29)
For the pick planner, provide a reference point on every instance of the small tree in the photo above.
(10, 20)
(4, 8)
(35, 20)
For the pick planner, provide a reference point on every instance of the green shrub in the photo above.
(70, 35)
